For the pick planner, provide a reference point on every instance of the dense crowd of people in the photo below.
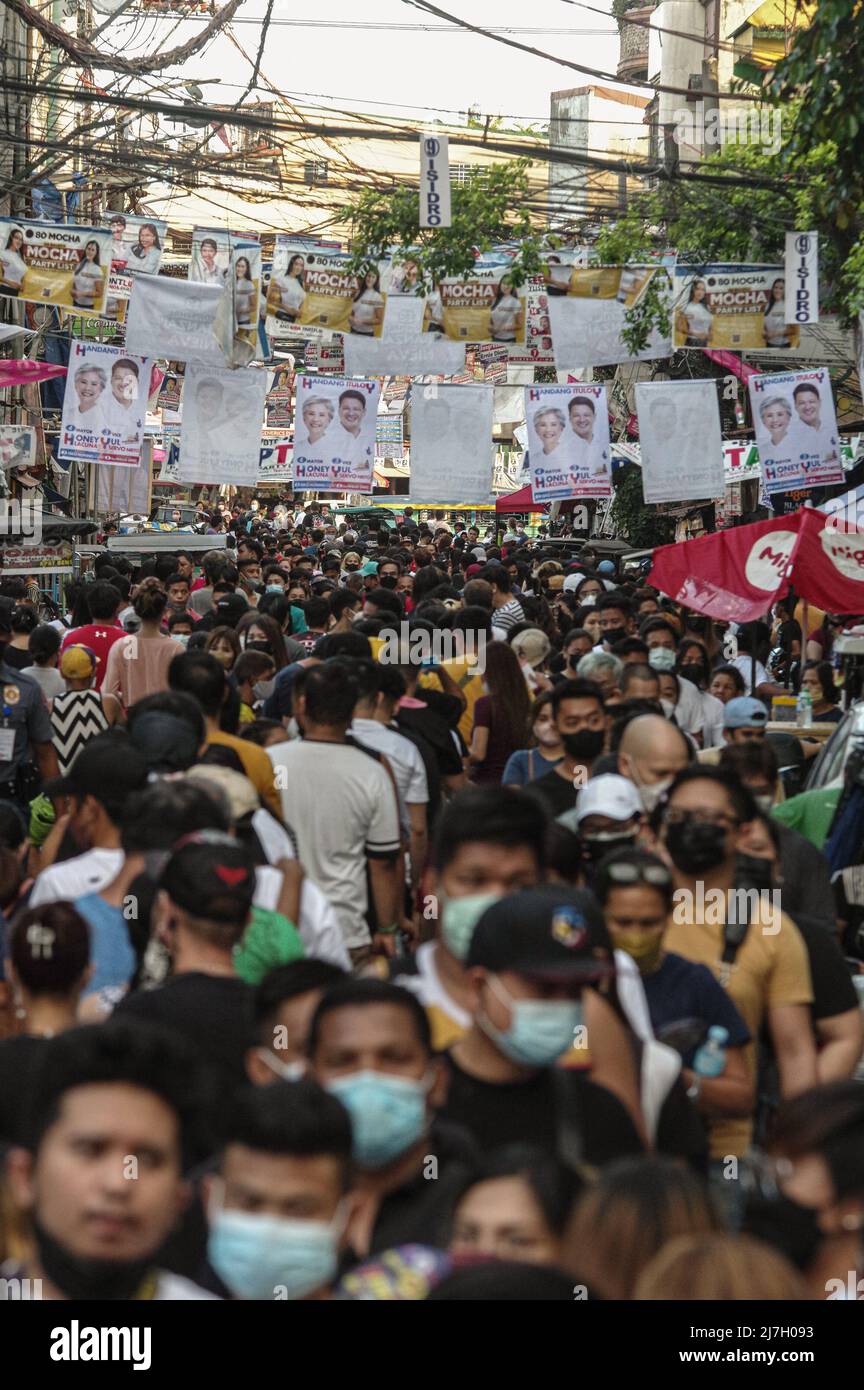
(416, 912)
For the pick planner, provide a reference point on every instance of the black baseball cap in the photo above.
(109, 767)
(212, 876)
(549, 934)
(167, 742)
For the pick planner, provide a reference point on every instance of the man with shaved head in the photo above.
(652, 752)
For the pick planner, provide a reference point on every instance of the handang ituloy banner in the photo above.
(104, 405)
(314, 290)
(732, 306)
(680, 440)
(796, 430)
(451, 443)
(568, 441)
(55, 263)
(220, 436)
(334, 433)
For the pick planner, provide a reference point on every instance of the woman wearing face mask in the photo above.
(694, 665)
(684, 1000)
(259, 632)
(254, 675)
(224, 644)
(818, 681)
(500, 715)
(588, 590)
(545, 750)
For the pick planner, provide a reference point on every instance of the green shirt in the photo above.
(269, 940)
(810, 813)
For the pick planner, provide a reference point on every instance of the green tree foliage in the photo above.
(488, 210)
(641, 525)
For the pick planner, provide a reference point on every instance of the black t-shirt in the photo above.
(213, 1012)
(536, 1111)
(682, 993)
(833, 990)
(556, 794)
(19, 1061)
(787, 633)
(419, 1211)
(16, 657)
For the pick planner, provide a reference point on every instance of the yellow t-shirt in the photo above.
(770, 969)
(464, 674)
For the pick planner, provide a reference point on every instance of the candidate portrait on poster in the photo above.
(334, 432)
(796, 430)
(104, 405)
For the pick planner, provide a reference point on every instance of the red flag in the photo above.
(829, 563)
(20, 371)
(733, 575)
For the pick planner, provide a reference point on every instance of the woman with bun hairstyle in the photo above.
(138, 663)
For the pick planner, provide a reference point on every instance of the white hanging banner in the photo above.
(802, 277)
(434, 181)
(680, 440)
(220, 437)
(451, 443)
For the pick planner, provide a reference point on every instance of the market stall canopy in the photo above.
(521, 501)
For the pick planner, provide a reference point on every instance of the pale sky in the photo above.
(411, 69)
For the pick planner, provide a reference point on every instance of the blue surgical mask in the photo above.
(459, 917)
(541, 1030)
(388, 1114)
(274, 589)
(267, 1257)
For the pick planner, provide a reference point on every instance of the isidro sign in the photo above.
(802, 277)
(434, 181)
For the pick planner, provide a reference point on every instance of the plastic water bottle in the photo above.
(804, 709)
(710, 1059)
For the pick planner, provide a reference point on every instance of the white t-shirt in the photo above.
(348, 448)
(340, 804)
(699, 319)
(744, 664)
(404, 759)
(318, 926)
(503, 318)
(774, 325)
(145, 264)
(244, 297)
(712, 713)
(291, 292)
(364, 309)
(125, 419)
(804, 439)
(14, 268)
(86, 873)
(92, 419)
(86, 282)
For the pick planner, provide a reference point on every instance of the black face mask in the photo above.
(594, 850)
(585, 746)
(753, 872)
(84, 1278)
(789, 1227)
(696, 847)
(692, 671)
(388, 581)
(258, 647)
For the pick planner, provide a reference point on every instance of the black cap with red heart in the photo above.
(210, 875)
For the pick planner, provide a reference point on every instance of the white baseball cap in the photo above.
(609, 795)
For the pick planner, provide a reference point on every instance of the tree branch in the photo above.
(89, 56)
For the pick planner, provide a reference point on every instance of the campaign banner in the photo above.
(275, 461)
(389, 441)
(314, 290)
(279, 404)
(802, 277)
(732, 575)
(569, 453)
(334, 433)
(403, 347)
(451, 443)
(243, 282)
(742, 307)
(17, 446)
(537, 349)
(740, 462)
(796, 430)
(482, 308)
(434, 181)
(220, 435)
(174, 319)
(136, 249)
(210, 257)
(55, 263)
(558, 267)
(567, 274)
(680, 440)
(104, 405)
(587, 321)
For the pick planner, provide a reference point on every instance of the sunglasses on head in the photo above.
(655, 874)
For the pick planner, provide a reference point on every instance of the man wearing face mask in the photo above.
(651, 753)
(281, 1201)
(134, 1093)
(616, 619)
(283, 1006)
(606, 816)
(754, 950)
(370, 1047)
(580, 718)
(533, 957)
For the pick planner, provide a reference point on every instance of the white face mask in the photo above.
(668, 708)
(765, 802)
(588, 601)
(652, 793)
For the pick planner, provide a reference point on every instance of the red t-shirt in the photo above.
(100, 638)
